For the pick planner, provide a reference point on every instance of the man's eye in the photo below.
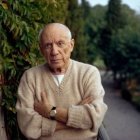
(60, 44)
(48, 45)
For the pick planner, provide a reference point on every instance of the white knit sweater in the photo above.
(80, 81)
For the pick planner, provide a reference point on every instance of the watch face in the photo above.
(53, 113)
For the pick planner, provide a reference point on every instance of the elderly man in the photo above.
(63, 98)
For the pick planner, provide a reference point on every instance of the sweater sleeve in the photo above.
(89, 116)
(31, 124)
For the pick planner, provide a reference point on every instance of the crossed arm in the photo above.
(44, 107)
(88, 114)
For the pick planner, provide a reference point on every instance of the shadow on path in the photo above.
(122, 120)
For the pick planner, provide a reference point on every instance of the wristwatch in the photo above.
(53, 113)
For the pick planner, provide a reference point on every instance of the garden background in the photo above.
(105, 36)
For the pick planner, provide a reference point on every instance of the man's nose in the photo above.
(54, 50)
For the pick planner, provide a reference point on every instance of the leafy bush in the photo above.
(20, 23)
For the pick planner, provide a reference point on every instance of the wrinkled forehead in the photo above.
(55, 32)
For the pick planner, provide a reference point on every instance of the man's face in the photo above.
(56, 46)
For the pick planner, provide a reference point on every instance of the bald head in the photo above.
(55, 28)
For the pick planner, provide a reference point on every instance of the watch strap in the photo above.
(53, 108)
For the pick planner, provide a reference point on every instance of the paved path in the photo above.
(122, 120)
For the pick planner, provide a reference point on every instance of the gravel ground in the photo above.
(122, 120)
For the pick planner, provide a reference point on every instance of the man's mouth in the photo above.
(55, 60)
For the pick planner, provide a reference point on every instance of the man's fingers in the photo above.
(43, 96)
(87, 100)
(36, 103)
(90, 99)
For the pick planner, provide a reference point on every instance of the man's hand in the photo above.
(61, 126)
(43, 107)
(87, 100)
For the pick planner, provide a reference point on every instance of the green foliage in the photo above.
(114, 22)
(20, 23)
(119, 41)
(126, 50)
(114, 16)
(95, 22)
(85, 22)
(76, 24)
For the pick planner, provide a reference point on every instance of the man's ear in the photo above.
(72, 44)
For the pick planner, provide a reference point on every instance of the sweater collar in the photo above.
(66, 75)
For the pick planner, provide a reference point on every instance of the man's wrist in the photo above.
(48, 109)
(53, 113)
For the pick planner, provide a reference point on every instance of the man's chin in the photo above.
(56, 66)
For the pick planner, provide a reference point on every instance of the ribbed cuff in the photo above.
(48, 127)
(75, 114)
